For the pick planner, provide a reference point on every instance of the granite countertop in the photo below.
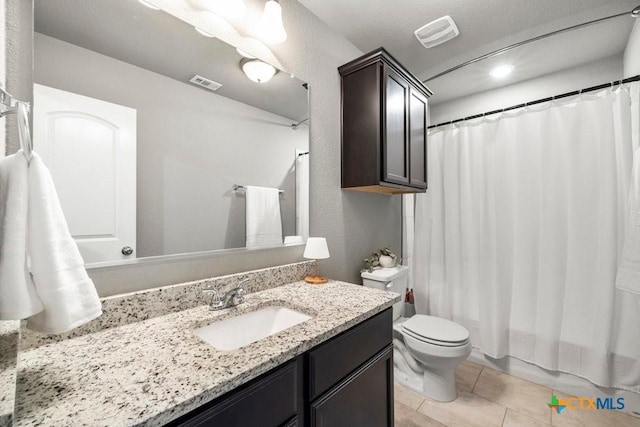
(151, 372)
(9, 337)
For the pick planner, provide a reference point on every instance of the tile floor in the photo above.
(487, 398)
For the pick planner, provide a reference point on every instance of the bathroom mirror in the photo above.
(145, 151)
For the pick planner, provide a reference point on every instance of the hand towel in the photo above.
(264, 226)
(67, 293)
(18, 298)
(628, 278)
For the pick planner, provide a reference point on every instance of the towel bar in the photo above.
(237, 187)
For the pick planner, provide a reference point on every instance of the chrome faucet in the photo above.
(230, 299)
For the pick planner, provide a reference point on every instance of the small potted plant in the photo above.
(382, 258)
(387, 258)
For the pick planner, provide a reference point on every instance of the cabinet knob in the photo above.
(127, 250)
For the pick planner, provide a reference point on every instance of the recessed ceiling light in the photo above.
(502, 71)
(203, 32)
(149, 4)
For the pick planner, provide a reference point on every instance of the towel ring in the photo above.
(23, 130)
(21, 110)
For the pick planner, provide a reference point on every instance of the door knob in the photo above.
(127, 250)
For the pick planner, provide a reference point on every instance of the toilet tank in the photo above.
(392, 279)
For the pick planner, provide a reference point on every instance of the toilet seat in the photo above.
(434, 342)
(436, 331)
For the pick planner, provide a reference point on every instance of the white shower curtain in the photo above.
(520, 233)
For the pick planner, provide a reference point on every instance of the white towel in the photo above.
(63, 286)
(628, 278)
(18, 298)
(264, 226)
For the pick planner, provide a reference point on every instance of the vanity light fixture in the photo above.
(316, 249)
(270, 28)
(502, 71)
(204, 33)
(148, 4)
(258, 71)
(245, 54)
(225, 8)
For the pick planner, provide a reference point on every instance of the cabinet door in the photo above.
(417, 139)
(395, 138)
(363, 399)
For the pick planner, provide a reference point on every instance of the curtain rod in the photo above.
(538, 101)
(634, 13)
(294, 126)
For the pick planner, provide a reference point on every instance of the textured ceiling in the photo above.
(159, 42)
(484, 26)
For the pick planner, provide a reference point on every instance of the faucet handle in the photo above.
(215, 303)
(240, 293)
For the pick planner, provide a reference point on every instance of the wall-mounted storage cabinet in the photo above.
(384, 126)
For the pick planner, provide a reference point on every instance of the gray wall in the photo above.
(632, 52)
(193, 145)
(353, 223)
(18, 57)
(3, 79)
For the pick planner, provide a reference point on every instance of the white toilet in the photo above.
(427, 349)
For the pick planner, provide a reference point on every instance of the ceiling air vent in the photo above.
(205, 83)
(437, 32)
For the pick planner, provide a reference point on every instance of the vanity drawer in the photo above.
(269, 401)
(332, 361)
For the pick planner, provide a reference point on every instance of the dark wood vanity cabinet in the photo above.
(345, 381)
(384, 126)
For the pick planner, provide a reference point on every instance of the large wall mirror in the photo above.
(147, 159)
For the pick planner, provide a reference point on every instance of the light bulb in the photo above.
(258, 71)
(270, 28)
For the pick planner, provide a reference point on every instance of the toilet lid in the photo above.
(436, 329)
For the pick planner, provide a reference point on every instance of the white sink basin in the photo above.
(238, 331)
